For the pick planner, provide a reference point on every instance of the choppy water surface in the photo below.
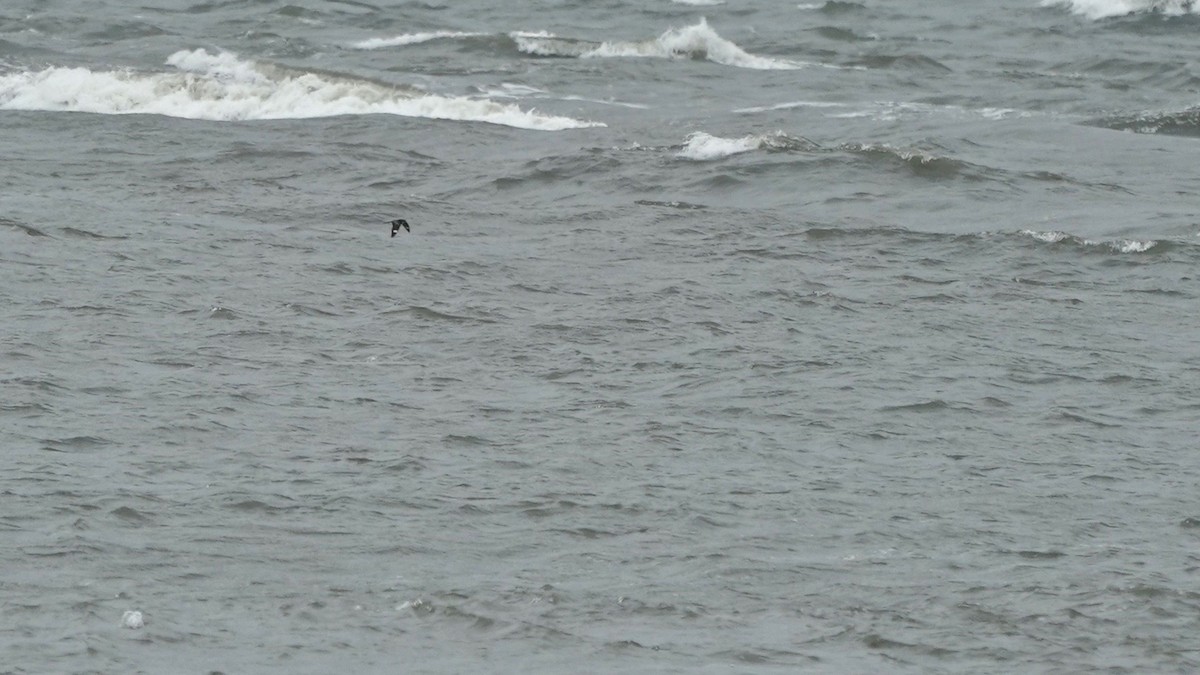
(730, 337)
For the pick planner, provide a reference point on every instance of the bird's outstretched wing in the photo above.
(399, 223)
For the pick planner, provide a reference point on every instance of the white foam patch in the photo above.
(889, 111)
(1052, 237)
(1120, 246)
(703, 147)
(698, 41)
(132, 619)
(520, 91)
(699, 3)
(224, 87)
(1133, 246)
(691, 42)
(542, 43)
(1101, 9)
(621, 104)
(412, 39)
(790, 104)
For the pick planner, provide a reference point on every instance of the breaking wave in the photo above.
(701, 147)
(1116, 246)
(1182, 123)
(694, 42)
(412, 39)
(920, 162)
(1102, 9)
(225, 87)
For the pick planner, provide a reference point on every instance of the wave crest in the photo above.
(1182, 123)
(694, 42)
(412, 39)
(701, 147)
(1102, 9)
(1117, 246)
(224, 87)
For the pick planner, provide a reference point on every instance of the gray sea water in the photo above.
(832, 337)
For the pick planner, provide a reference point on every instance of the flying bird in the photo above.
(399, 223)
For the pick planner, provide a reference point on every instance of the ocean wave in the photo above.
(900, 62)
(225, 87)
(1182, 123)
(920, 162)
(1057, 239)
(702, 147)
(1116, 246)
(791, 104)
(694, 42)
(841, 7)
(1102, 9)
(412, 39)
(893, 110)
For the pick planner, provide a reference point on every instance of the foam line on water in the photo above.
(224, 87)
(412, 39)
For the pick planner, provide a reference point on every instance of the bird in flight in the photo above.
(399, 223)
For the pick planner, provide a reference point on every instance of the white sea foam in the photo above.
(511, 90)
(542, 43)
(703, 147)
(412, 39)
(1119, 246)
(698, 41)
(1051, 237)
(699, 3)
(790, 104)
(1100, 9)
(893, 110)
(132, 619)
(620, 104)
(532, 34)
(520, 91)
(224, 87)
(1133, 246)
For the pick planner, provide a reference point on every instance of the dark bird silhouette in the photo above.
(399, 223)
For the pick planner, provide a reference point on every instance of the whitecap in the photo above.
(702, 147)
(1118, 246)
(224, 87)
(1102, 9)
(132, 619)
(1051, 237)
(790, 104)
(694, 41)
(698, 41)
(412, 39)
(1133, 246)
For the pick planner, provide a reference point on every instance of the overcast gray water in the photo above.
(833, 337)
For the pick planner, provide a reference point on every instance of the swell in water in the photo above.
(225, 87)
(701, 146)
(1103, 9)
(1178, 123)
(699, 42)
